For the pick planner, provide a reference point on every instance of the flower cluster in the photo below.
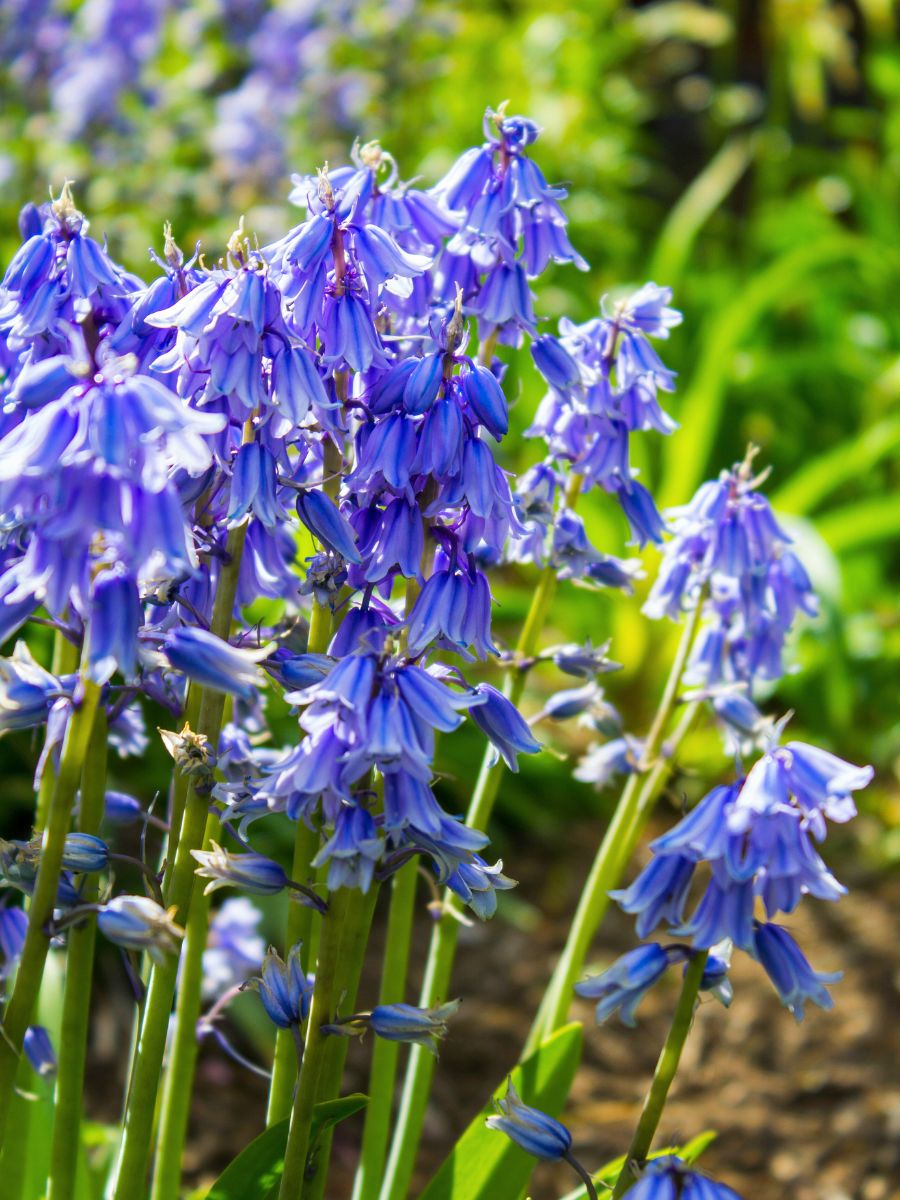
(729, 551)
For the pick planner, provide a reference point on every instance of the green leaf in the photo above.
(852, 459)
(702, 409)
(256, 1172)
(486, 1165)
(607, 1176)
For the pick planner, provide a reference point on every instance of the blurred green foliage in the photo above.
(746, 154)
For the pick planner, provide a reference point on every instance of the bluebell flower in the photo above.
(477, 884)
(532, 1130)
(38, 1049)
(139, 923)
(116, 616)
(584, 659)
(13, 927)
(208, 660)
(352, 851)
(284, 988)
(623, 985)
(234, 949)
(659, 893)
(602, 763)
(323, 518)
(400, 1023)
(502, 724)
(790, 972)
(670, 1178)
(728, 541)
(27, 690)
(253, 873)
(85, 853)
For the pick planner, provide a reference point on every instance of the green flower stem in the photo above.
(34, 953)
(664, 1074)
(131, 1169)
(344, 928)
(175, 1103)
(634, 808)
(298, 929)
(439, 965)
(300, 918)
(77, 998)
(353, 950)
(180, 789)
(384, 1053)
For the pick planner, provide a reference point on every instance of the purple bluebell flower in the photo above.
(532, 1130)
(729, 544)
(501, 723)
(27, 691)
(602, 763)
(321, 516)
(234, 948)
(623, 986)
(208, 660)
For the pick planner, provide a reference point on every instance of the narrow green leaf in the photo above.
(860, 524)
(696, 205)
(486, 1165)
(686, 459)
(810, 485)
(256, 1172)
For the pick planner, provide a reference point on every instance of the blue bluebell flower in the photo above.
(139, 923)
(502, 724)
(253, 873)
(284, 988)
(85, 853)
(670, 1178)
(400, 1023)
(532, 1130)
(13, 927)
(623, 986)
(790, 972)
(38, 1049)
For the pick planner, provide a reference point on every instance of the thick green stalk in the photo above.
(340, 927)
(350, 964)
(632, 811)
(77, 999)
(664, 1074)
(34, 953)
(441, 952)
(300, 917)
(131, 1169)
(385, 1053)
(175, 1103)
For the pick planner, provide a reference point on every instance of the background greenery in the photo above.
(747, 154)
